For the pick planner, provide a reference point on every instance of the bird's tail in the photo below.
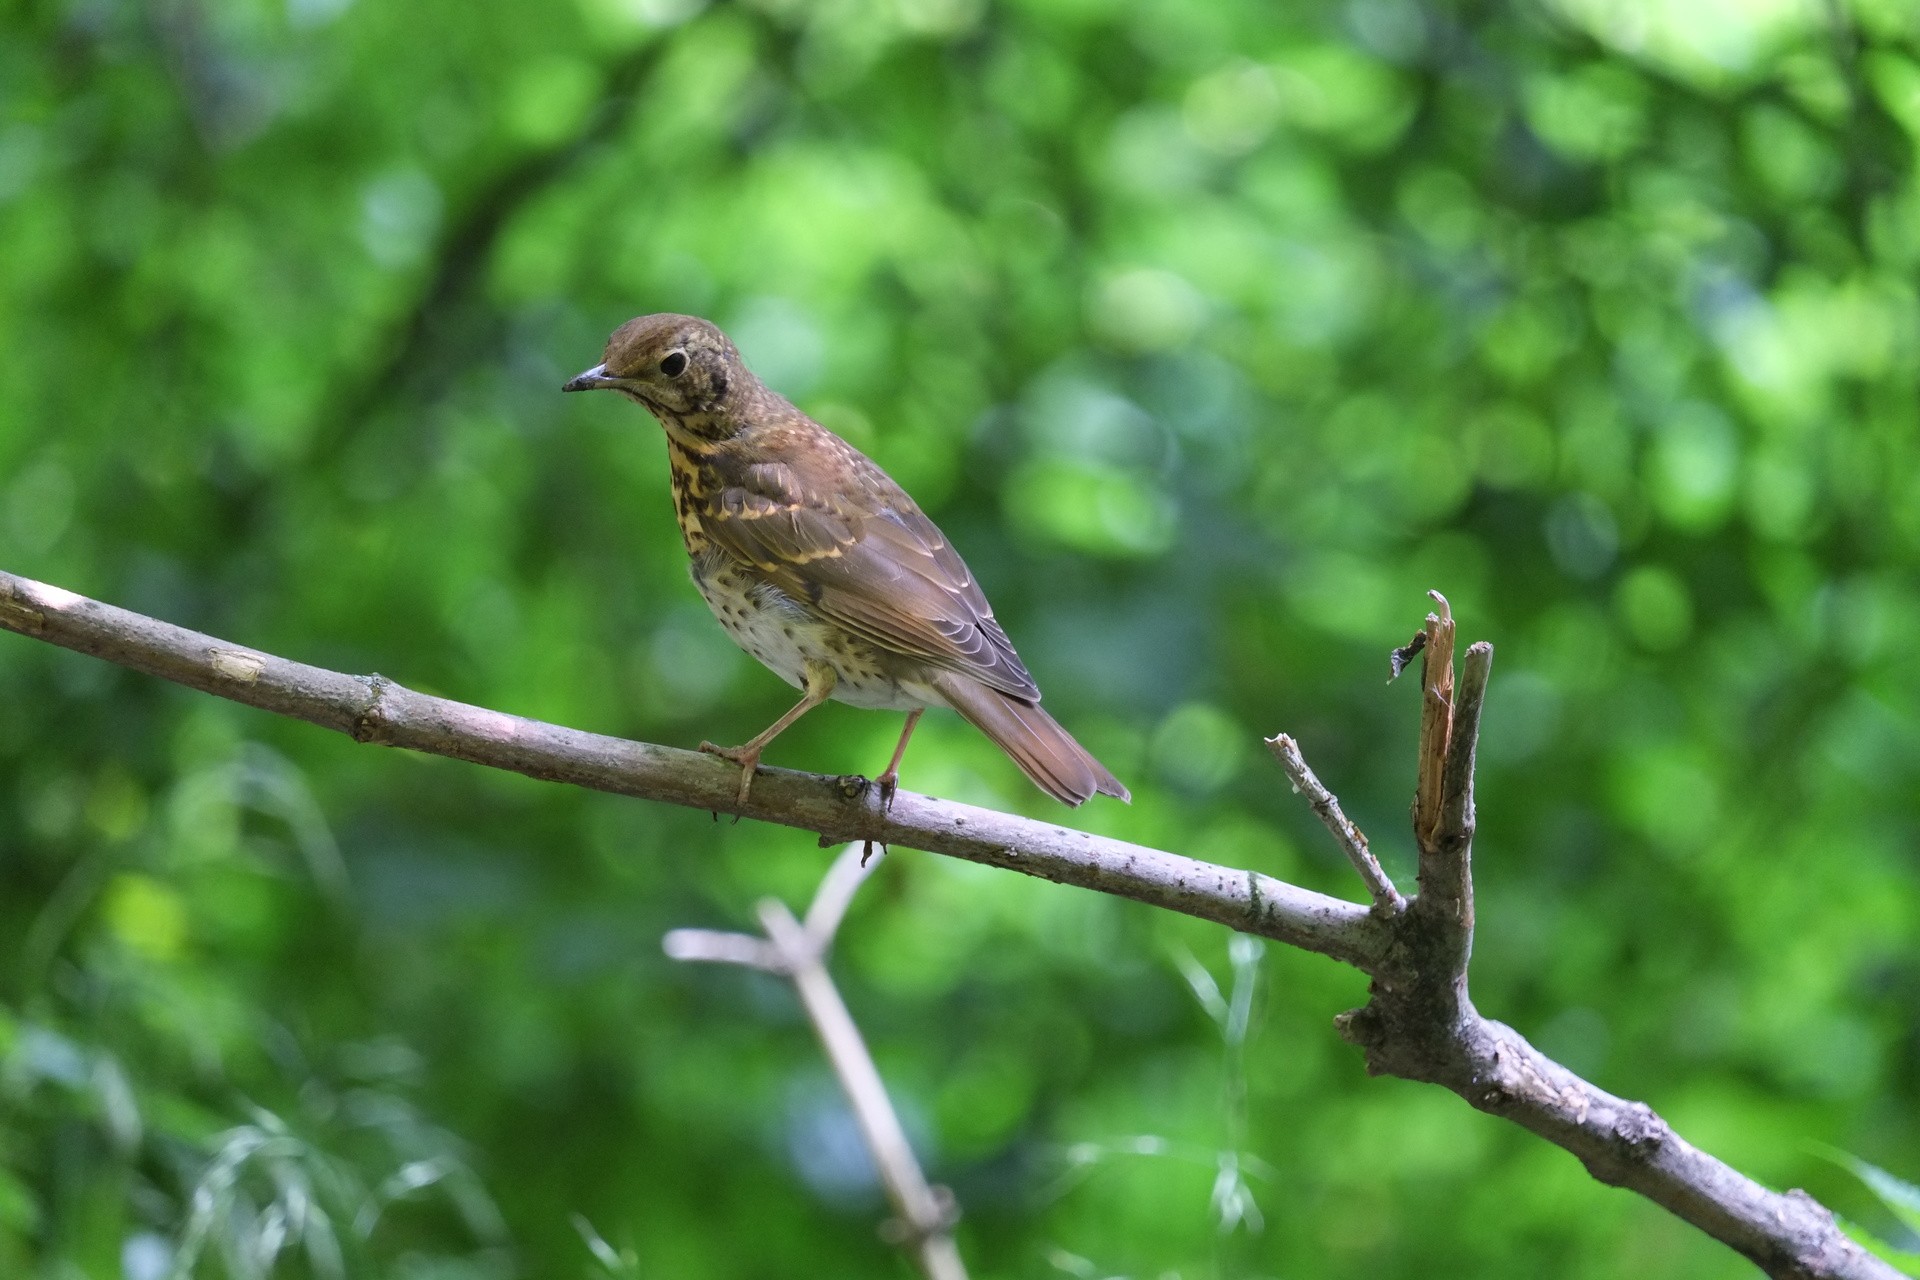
(1044, 751)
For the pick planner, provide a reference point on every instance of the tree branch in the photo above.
(835, 894)
(711, 946)
(1444, 815)
(1352, 841)
(375, 709)
(1418, 1024)
(1436, 719)
(925, 1213)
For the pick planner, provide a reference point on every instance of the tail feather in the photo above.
(1044, 751)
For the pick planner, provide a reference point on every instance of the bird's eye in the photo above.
(675, 364)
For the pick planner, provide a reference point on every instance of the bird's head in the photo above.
(677, 366)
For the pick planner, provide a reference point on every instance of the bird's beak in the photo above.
(592, 380)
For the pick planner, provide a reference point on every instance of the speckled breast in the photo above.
(785, 636)
(779, 631)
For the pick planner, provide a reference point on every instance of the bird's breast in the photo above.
(691, 489)
(784, 635)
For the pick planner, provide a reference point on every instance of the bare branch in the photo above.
(1625, 1144)
(1436, 719)
(1352, 841)
(925, 1217)
(1446, 846)
(835, 894)
(925, 1214)
(1456, 790)
(714, 947)
(1419, 1023)
(1443, 911)
(375, 709)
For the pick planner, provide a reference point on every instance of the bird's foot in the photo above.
(748, 758)
(888, 784)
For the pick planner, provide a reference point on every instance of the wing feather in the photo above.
(868, 559)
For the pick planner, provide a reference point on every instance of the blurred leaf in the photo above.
(1213, 336)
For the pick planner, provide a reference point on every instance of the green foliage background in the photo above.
(1214, 334)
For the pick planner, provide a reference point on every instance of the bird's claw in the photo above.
(749, 761)
(888, 785)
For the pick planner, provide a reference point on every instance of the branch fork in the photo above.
(1420, 1024)
(924, 1214)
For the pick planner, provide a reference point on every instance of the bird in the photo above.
(819, 565)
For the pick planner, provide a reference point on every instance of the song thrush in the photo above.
(820, 566)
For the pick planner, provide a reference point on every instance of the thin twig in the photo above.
(1446, 849)
(835, 894)
(925, 1217)
(1456, 808)
(924, 1214)
(1436, 720)
(1352, 841)
(713, 946)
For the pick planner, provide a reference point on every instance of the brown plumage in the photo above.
(820, 566)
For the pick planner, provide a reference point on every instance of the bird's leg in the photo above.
(817, 687)
(889, 782)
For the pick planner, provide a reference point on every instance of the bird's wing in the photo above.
(859, 552)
